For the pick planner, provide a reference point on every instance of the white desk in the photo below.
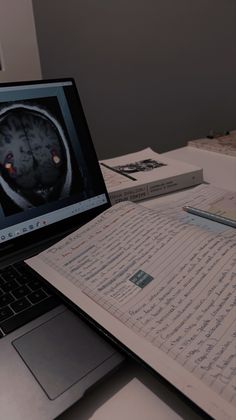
(218, 169)
(132, 393)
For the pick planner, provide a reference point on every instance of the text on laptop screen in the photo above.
(45, 173)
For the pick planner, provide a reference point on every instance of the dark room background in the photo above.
(150, 72)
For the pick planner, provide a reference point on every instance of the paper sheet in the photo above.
(170, 282)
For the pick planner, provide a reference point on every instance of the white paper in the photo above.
(205, 196)
(169, 287)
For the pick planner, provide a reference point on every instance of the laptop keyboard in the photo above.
(23, 297)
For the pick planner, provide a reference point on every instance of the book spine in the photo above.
(156, 188)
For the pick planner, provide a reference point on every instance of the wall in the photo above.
(150, 72)
(19, 56)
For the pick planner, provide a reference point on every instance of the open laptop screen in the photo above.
(50, 179)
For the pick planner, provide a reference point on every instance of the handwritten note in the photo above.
(171, 282)
(223, 206)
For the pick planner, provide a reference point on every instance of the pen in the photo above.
(210, 216)
(117, 171)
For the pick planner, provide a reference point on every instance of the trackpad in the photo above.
(61, 352)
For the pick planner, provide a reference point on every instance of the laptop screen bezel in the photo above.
(47, 234)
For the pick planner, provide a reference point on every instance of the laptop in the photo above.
(50, 184)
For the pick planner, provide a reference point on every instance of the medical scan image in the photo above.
(35, 162)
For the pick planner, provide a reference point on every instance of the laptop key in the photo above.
(29, 314)
(37, 296)
(23, 279)
(10, 275)
(17, 283)
(5, 313)
(10, 285)
(35, 284)
(6, 299)
(20, 305)
(21, 291)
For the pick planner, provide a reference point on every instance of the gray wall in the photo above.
(19, 56)
(150, 72)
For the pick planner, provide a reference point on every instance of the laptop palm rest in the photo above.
(62, 352)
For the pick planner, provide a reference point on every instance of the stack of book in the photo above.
(145, 174)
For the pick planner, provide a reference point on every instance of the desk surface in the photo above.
(132, 393)
(218, 169)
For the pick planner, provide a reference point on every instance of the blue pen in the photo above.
(210, 216)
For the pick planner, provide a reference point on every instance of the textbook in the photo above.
(138, 176)
(161, 285)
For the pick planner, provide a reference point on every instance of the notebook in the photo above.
(50, 184)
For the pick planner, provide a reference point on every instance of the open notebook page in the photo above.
(165, 288)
